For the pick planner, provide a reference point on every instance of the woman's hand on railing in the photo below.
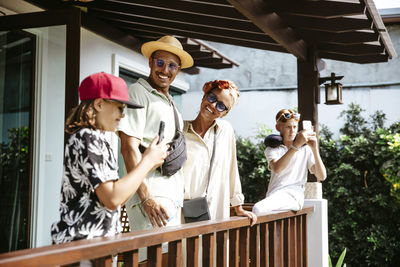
(244, 213)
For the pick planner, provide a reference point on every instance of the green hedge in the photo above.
(362, 187)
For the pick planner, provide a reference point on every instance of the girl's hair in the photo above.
(82, 116)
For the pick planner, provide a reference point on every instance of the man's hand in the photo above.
(312, 140)
(157, 214)
(301, 138)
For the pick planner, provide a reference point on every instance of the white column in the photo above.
(317, 233)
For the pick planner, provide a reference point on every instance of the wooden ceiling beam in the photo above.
(217, 66)
(318, 9)
(329, 25)
(355, 59)
(123, 21)
(167, 16)
(272, 24)
(357, 50)
(208, 9)
(354, 37)
(246, 43)
(373, 14)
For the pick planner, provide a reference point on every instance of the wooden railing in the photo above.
(278, 239)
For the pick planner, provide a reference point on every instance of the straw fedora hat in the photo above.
(169, 44)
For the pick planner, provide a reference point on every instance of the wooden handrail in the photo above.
(129, 243)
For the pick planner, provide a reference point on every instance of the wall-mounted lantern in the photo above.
(333, 90)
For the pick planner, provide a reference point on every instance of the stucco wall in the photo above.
(275, 76)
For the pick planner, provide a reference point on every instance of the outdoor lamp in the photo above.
(333, 90)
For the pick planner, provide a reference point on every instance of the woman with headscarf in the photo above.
(222, 186)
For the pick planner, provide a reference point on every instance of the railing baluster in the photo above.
(154, 256)
(192, 251)
(208, 249)
(299, 243)
(292, 242)
(222, 241)
(255, 245)
(264, 244)
(234, 247)
(244, 246)
(285, 224)
(174, 253)
(276, 244)
(102, 262)
(289, 243)
(131, 258)
(304, 245)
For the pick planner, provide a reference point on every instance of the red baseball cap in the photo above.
(106, 86)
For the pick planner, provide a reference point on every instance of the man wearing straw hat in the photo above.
(159, 199)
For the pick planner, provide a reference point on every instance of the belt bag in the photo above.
(176, 157)
(196, 210)
(176, 152)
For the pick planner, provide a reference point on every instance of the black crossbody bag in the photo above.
(196, 210)
(176, 152)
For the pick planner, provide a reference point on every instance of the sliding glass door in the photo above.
(17, 65)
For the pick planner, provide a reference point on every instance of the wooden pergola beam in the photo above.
(272, 24)
(123, 21)
(363, 59)
(151, 33)
(344, 24)
(132, 9)
(356, 37)
(319, 9)
(380, 27)
(357, 50)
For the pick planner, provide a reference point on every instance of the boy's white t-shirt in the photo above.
(294, 176)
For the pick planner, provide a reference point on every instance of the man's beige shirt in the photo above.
(143, 124)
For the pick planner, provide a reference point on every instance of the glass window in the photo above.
(17, 57)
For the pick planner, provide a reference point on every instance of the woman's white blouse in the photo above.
(224, 187)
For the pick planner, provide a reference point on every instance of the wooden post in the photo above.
(308, 89)
(308, 92)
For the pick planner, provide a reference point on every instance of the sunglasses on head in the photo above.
(288, 115)
(220, 106)
(161, 63)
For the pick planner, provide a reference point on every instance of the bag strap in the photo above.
(177, 125)
(212, 158)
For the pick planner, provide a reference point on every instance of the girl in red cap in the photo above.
(91, 191)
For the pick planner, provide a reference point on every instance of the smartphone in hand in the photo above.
(307, 125)
(161, 131)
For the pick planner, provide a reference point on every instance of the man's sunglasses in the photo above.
(288, 115)
(161, 63)
(220, 106)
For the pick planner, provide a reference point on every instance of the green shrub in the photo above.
(252, 165)
(363, 214)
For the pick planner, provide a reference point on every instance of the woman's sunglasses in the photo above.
(288, 115)
(220, 106)
(161, 63)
